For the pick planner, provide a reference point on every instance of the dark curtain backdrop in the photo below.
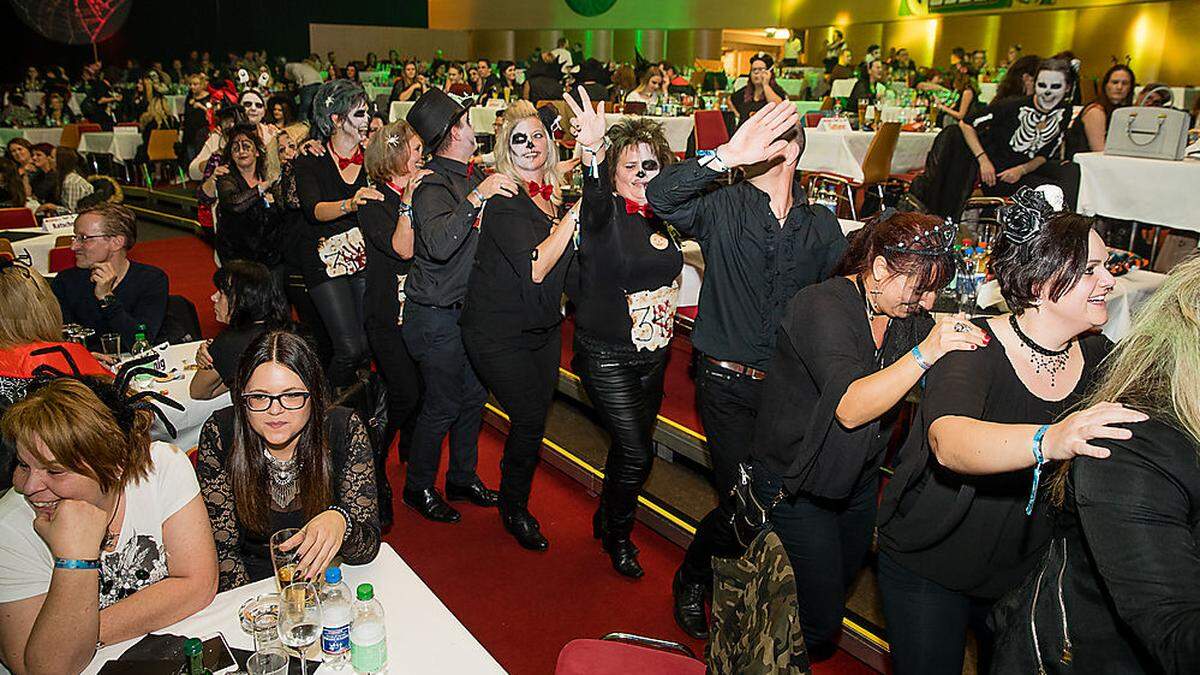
(163, 29)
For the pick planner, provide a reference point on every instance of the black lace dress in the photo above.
(243, 556)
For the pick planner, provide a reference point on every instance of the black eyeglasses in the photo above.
(292, 400)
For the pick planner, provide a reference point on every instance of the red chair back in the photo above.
(13, 218)
(88, 127)
(710, 129)
(61, 258)
(812, 119)
(127, 124)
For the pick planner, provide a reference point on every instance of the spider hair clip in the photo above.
(114, 394)
(393, 141)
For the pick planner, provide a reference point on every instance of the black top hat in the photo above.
(433, 115)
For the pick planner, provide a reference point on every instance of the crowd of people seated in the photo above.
(1013, 489)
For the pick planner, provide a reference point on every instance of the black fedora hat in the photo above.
(433, 115)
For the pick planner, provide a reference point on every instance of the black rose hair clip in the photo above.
(114, 393)
(1021, 220)
(934, 242)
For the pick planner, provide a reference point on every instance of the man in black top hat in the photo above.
(446, 210)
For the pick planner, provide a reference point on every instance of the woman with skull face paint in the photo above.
(1014, 140)
(255, 106)
(513, 306)
(629, 265)
(331, 187)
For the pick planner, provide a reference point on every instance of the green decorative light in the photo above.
(590, 7)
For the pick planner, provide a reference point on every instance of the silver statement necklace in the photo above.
(283, 479)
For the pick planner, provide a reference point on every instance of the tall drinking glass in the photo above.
(863, 122)
(268, 662)
(284, 562)
(299, 618)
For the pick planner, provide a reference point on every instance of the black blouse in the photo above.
(1129, 571)
(970, 533)
(386, 270)
(249, 226)
(502, 297)
(332, 249)
(824, 345)
(628, 269)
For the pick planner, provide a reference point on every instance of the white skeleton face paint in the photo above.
(529, 144)
(1050, 89)
(357, 121)
(636, 167)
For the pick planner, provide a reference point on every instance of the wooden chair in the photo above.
(17, 217)
(70, 136)
(6, 250)
(876, 168)
(709, 130)
(160, 148)
(827, 103)
(812, 119)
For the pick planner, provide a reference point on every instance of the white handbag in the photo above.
(1151, 133)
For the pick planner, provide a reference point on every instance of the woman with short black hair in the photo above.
(961, 522)
(250, 301)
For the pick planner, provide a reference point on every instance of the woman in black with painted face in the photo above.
(961, 523)
(849, 349)
(629, 265)
(332, 255)
(513, 306)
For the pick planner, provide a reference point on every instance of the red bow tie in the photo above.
(343, 162)
(632, 207)
(536, 188)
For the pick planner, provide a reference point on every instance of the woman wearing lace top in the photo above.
(265, 465)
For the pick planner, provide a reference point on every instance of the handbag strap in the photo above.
(1130, 131)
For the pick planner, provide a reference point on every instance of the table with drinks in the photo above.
(400, 625)
(179, 363)
(842, 152)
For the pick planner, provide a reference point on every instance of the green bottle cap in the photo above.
(366, 592)
(192, 647)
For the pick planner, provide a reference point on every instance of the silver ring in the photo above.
(960, 327)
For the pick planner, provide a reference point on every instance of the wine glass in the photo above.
(299, 618)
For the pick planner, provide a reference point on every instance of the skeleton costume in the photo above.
(1014, 131)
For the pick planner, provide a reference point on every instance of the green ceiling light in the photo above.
(590, 7)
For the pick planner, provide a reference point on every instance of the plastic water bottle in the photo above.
(336, 616)
(140, 343)
(368, 634)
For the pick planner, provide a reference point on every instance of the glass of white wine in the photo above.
(299, 618)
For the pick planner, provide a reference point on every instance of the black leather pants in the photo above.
(626, 389)
(340, 304)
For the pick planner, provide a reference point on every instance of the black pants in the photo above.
(927, 623)
(626, 390)
(728, 405)
(403, 380)
(827, 542)
(521, 372)
(340, 303)
(452, 401)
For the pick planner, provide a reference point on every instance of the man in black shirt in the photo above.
(446, 211)
(762, 242)
(105, 291)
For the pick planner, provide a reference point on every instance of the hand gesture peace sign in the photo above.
(588, 123)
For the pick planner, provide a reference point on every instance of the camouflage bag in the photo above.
(755, 613)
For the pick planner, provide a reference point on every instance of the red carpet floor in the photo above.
(522, 606)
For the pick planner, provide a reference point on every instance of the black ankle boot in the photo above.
(689, 607)
(624, 557)
(525, 529)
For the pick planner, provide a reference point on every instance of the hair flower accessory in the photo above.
(1029, 211)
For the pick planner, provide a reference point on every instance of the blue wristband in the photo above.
(1037, 469)
(916, 353)
(71, 564)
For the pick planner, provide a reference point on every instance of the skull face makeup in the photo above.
(529, 144)
(1049, 89)
(636, 167)
(357, 122)
(254, 106)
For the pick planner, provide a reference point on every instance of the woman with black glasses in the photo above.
(282, 457)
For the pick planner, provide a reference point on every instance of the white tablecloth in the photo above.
(842, 152)
(122, 146)
(677, 129)
(195, 413)
(987, 91)
(175, 103)
(422, 635)
(1153, 191)
(36, 250)
(34, 99)
(50, 135)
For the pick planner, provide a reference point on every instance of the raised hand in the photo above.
(755, 140)
(588, 123)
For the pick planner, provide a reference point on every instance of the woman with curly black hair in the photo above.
(629, 265)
